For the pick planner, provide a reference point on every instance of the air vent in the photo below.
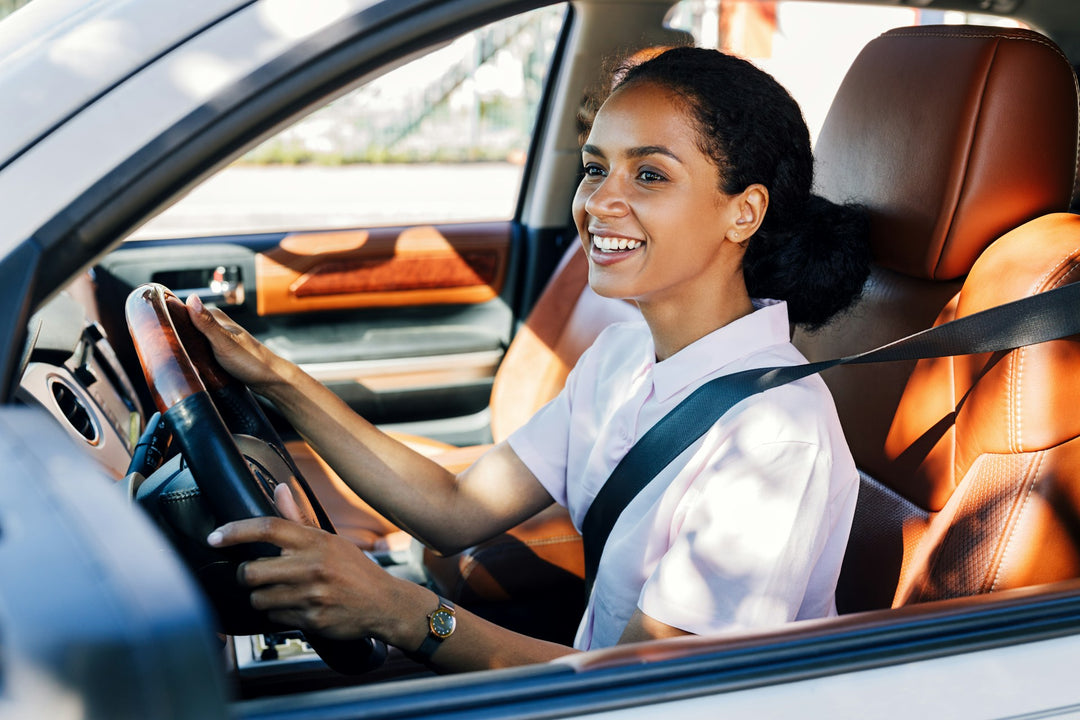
(75, 412)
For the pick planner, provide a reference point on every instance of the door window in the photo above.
(441, 139)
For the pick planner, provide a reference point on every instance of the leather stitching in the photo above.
(1032, 38)
(1017, 424)
(1016, 435)
(1034, 473)
(179, 496)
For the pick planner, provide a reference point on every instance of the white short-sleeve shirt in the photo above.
(746, 528)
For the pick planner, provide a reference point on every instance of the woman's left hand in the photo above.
(324, 584)
(321, 582)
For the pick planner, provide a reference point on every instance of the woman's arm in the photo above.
(642, 627)
(323, 583)
(444, 511)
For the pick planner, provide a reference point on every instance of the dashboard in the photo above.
(70, 368)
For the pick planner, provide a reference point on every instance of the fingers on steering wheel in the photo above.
(290, 509)
(198, 310)
(286, 534)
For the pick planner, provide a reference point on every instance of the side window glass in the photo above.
(442, 138)
(806, 46)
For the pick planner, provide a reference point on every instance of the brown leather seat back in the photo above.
(951, 137)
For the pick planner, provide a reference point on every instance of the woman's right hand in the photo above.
(239, 353)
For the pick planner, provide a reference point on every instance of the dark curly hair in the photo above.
(809, 251)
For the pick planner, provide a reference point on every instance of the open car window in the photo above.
(443, 138)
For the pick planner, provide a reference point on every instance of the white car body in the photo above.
(111, 111)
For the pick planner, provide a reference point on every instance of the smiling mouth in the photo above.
(614, 244)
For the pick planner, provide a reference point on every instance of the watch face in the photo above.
(442, 623)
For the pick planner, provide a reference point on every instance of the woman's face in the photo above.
(649, 210)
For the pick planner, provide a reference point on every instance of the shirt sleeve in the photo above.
(746, 538)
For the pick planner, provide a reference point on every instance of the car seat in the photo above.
(961, 142)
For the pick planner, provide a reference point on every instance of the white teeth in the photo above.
(609, 244)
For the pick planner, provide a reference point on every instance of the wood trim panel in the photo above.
(383, 267)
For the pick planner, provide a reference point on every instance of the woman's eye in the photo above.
(650, 176)
(594, 171)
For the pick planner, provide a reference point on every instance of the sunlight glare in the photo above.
(200, 74)
(298, 18)
(92, 46)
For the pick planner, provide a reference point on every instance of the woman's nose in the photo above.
(607, 199)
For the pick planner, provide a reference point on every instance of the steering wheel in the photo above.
(230, 459)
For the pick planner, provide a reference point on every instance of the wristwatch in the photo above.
(441, 624)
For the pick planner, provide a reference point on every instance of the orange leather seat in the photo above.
(962, 144)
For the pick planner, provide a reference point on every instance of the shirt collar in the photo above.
(765, 327)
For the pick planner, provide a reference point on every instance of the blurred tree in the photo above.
(9, 6)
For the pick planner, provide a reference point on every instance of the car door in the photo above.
(375, 242)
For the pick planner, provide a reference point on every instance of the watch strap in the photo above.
(428, 647)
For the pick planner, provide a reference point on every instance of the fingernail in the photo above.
(215, 538)
(196, 303)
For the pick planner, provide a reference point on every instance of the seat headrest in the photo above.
(950, 136)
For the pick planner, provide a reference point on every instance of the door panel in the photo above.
(383, 267)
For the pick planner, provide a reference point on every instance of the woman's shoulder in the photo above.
(622, 338)
(800, 411)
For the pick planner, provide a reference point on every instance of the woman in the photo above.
(695, 199)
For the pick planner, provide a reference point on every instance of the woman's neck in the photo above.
(677, 324)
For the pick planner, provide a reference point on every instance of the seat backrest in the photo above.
(565, 320)
(953, 137)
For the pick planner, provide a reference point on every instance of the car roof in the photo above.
(57, 56)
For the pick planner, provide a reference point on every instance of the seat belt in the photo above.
(1047, 316)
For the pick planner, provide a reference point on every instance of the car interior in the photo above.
(967, 464)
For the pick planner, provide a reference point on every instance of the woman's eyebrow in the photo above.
(634, 152)
(646, 150)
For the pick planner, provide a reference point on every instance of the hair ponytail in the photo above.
(818, 263)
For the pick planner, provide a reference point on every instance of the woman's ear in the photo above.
(750, 205)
